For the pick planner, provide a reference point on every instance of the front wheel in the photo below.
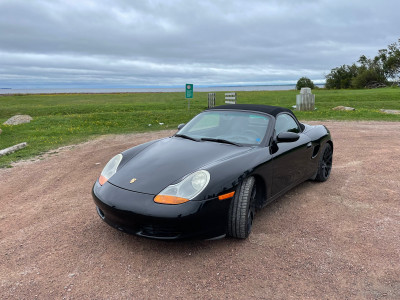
(325, 164)
(242, 209)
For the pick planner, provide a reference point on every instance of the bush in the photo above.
(304, 82)
(341, 77)
(369, 78)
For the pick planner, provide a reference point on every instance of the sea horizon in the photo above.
(163, 89)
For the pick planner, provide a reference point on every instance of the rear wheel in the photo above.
(242, 209)
(325, 164)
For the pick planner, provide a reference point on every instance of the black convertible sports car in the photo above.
(210, 178)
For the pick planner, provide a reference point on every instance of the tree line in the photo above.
(379, 71)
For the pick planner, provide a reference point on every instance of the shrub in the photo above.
(369, 78)
(341, 77)
(304, 82)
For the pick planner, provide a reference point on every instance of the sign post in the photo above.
(189, 92)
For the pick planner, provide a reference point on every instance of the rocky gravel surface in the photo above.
(334, 240)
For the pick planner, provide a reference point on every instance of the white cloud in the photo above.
(158, 42)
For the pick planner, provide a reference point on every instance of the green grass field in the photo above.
(65, 119)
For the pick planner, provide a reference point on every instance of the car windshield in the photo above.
(224, 126)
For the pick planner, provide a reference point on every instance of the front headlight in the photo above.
(185, 190)
(110, 169)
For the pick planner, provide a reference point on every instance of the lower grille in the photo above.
(160, 230)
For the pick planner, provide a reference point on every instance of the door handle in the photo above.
(309, 145)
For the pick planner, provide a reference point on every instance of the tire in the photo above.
(325, 164)
(242, 209)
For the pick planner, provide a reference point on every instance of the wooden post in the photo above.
(230, 98)
(211, 100)
(306, 100)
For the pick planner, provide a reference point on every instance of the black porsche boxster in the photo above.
(209, 179)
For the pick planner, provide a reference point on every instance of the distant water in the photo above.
(148, 90)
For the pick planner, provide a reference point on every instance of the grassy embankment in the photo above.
(72, 118)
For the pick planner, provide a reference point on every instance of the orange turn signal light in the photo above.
(166, 199)
(226, 196)
(102, 180)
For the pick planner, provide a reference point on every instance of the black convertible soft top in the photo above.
(269, 109)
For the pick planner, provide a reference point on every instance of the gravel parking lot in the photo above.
(333, 240)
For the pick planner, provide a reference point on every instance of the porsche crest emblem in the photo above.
(132, 180)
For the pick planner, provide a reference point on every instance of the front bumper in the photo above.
(137, 213)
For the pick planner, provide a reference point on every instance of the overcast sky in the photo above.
(127, 43)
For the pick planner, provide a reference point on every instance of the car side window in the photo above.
(285, 123)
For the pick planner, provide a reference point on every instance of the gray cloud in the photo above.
(154, 42)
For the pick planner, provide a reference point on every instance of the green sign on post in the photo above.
(189, 90)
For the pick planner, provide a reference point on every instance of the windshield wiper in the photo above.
(186, 137)
(220, 141)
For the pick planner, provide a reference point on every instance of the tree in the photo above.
(390, 60)
(304, 82)
(370, 74)
(341, 77)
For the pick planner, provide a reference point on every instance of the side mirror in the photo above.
(287, 137)
(180, 126)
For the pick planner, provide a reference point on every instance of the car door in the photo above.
(290, 159)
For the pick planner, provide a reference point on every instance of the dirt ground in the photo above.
(333, 240)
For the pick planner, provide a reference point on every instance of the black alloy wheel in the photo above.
(325, 164)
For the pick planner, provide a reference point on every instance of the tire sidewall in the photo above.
(241, 204)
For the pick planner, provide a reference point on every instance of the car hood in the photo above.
(166, 161)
